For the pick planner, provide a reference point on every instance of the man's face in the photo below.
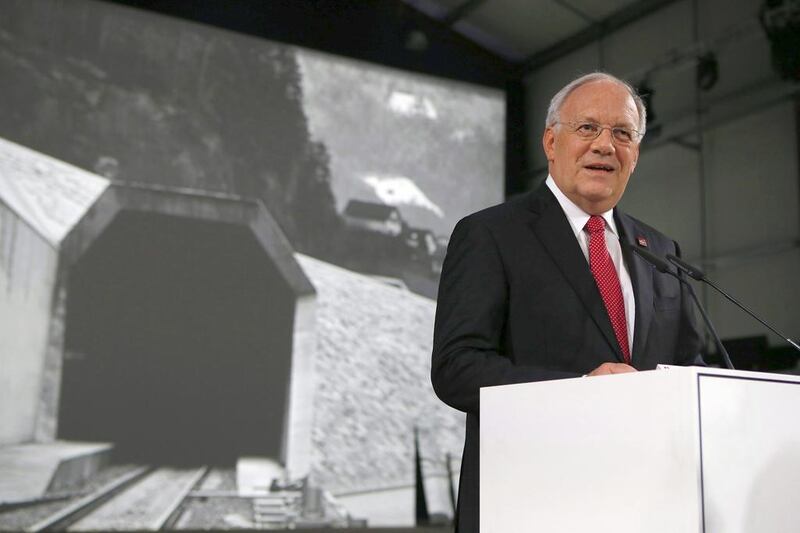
(593, 173)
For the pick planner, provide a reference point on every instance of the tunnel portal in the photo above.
(178, 340)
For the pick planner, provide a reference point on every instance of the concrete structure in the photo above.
(373, 368)
(130, 312)
(180, 326)
(27, 471)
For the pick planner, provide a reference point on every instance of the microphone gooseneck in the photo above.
(653, 259)
(662, 266)
(691, 270)
(698, 274)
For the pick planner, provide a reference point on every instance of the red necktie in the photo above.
(605, 276)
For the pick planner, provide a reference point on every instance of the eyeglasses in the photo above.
(592, 130)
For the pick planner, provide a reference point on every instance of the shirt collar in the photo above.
(578, 217)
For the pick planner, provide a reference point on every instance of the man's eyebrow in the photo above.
(584, 118)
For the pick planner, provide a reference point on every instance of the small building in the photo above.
(381, 218)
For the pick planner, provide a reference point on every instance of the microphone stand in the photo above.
(725, 357)
(663, 267)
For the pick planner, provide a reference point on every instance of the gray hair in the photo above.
(558, 99)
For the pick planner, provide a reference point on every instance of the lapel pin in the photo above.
(641, 241)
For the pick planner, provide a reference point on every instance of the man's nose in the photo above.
(604, 143)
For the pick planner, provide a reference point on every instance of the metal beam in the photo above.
(461, 11)
(613, 22)
(566, 5)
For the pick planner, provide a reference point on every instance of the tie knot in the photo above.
(596, 224)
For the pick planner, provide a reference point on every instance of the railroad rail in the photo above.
(145, 498)
(148, 498)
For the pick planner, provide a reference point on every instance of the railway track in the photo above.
(147, 498)
(144, 498)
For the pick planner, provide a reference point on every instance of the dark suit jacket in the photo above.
(517, 303)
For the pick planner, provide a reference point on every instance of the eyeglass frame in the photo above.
(636, 136)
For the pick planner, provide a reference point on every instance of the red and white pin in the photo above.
(641, 241)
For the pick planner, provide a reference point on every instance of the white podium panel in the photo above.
(676, 450)
(751, 455)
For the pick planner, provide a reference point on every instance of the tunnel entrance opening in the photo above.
(178, 339)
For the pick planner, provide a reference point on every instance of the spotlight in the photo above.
(415, 40)
(707, 72)
(781, 22)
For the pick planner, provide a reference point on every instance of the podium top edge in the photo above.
(724, 372)
(682, 370)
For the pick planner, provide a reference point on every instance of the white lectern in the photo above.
(674, 450)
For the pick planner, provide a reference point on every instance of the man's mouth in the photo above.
(600, 166)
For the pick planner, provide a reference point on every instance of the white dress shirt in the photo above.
(577, 219)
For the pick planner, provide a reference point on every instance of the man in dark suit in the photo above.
(539, 287)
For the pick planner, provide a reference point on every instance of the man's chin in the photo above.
(599, 193)
(597, 200)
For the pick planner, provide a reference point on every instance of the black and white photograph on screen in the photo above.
(220, 258)
(223, 226)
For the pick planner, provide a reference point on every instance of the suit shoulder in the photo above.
(497, 215)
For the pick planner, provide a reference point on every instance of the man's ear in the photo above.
(635, 158)
(548, 143)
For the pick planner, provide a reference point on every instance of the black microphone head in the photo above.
(691, 270)
(654, 260)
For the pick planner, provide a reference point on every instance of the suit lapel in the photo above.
(642, 279)
(553, 230)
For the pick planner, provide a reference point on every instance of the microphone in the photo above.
(698, 274)
(691, 270)
(662, 266)
(653, 259)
